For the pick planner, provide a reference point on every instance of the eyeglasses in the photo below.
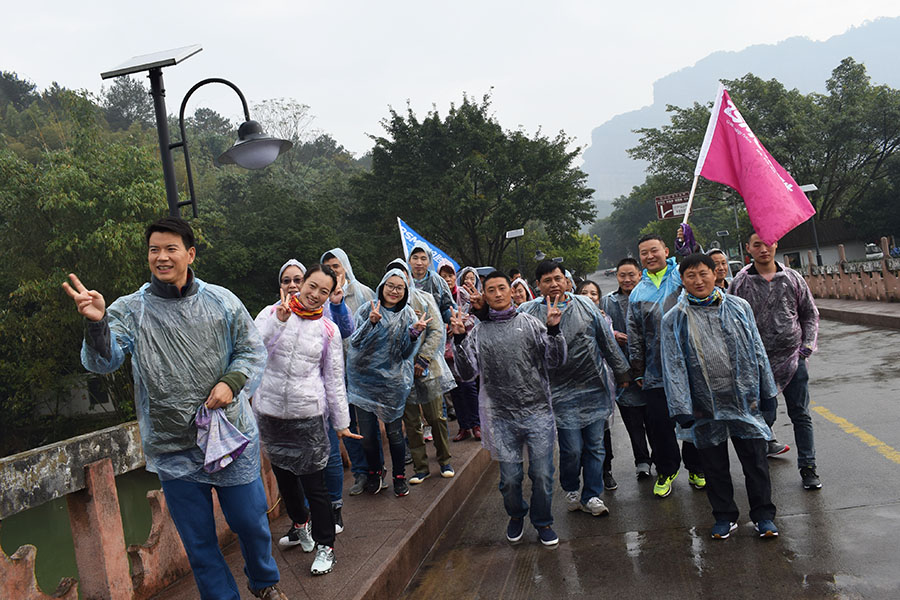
(287, 280)
(390, 287)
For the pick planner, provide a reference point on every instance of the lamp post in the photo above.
(811, 187)
(515, 234)
(539, 256)
(253, 149)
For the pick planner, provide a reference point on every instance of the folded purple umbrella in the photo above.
(220, 441)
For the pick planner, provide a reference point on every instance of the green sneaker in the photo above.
(663, 485)
(698, 480)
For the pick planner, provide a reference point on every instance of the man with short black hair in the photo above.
(717, 380)
(582, 397)
(427, 280)
(656, 293)
(195, 352)
(632, 405)
(513, 353)
(789, 325)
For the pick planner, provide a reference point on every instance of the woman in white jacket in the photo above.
(302, 390)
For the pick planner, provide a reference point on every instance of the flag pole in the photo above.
(687, 211)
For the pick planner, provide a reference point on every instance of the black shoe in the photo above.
(373, 482)
(609, 482)
(810, 478)
(338, 521)
(400, 486)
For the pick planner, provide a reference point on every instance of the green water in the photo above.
(47, 528)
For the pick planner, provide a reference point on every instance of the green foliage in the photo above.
(462, 181)
(126, 102)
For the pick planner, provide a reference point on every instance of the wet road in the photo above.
(839, 542)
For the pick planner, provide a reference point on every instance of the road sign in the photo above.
(672, 206)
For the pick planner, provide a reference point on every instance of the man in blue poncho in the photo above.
(582, 396)
(192, 345)
(656, 293)
(718, 380)
(513, 353)
(427, 280)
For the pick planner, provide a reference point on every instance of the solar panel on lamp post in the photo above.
(253, 149)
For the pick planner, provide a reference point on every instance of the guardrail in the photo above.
(876, 280)
(83, 470)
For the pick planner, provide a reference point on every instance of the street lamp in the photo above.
(253, 149)
(811, 187)
(515, 234)
(539, 256)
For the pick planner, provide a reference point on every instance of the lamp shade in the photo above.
(254, 149)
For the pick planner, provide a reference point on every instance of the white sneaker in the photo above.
(299, 534)
(573, 501)
(596, 507)
(324, 561)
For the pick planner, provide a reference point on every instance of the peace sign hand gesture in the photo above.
(554, 315)
(475, 297)
(457, 322)
(90, 303)
(422, 323)
(375, 314)
(283, 310)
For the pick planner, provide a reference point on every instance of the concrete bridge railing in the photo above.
(876, 280)
(83, 470)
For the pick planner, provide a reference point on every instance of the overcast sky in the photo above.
(567, 65)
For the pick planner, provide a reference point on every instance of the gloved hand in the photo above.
(686, 421)
(805, 351)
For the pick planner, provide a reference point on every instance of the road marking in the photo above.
(887, 451)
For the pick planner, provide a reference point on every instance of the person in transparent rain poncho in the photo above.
(513, 353)
(193, 346)
(789, 325)
(655, 294)
(521, 292)
(582, 396)
(290, 280)
(427, 280)
(432, 377)
(718, 379)
(632, 405)
(356, 294)
(301, 397)
(380, 374)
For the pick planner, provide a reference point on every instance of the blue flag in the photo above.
(410, 238)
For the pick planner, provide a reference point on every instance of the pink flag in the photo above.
(732, 155)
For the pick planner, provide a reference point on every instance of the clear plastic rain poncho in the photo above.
(788, 317)
(462, 276)
(581, 393)
(433, 342)
(180, 348)
(355, 293)
(615, 305)
(716, 370)
(513, 359)
(435, 285)
(646, 306)
(380, 360)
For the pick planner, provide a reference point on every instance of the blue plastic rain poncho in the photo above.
(513, 358)
(646, 306)
(432, 344)
(716, 370)
(435, 285)
(380, 359)
(355, 293)
(581, 393)
(615, 305)
(788, 319)
(180, 348)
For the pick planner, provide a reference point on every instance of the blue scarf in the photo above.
(713, 298)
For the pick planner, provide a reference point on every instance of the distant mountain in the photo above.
(796, 62)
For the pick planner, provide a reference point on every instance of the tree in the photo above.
(462, 181)
(126, 102)
(15, 91)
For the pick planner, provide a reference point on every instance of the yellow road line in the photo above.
(887, 451)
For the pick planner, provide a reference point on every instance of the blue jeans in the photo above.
(358, 464)
(334, 471)
(244, 507)
(368, 428)
(581, 450)
(796, 398)
(540, 471)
